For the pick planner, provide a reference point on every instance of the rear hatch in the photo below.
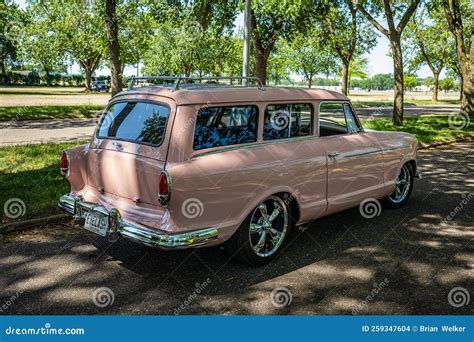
(129, 150)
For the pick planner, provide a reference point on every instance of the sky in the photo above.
(379, 61)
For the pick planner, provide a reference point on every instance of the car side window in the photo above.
(287, 121)
(332, 119)
(352, 123)
(223, 126)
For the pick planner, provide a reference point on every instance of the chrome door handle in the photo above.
(333, 155)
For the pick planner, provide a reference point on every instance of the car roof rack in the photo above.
(180, 82)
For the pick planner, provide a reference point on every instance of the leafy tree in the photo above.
(409, 81)
(271, 19)
(310, 56)
(232, 47)
(77, 27)
(136, 27)
(11, 26)
(393, 11)
(460, 18)
(429, 42)
(358, 67)
(447, 84)
(40, 45)
(347, 31)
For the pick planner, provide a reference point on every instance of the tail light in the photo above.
(164, 188)
(64, 164)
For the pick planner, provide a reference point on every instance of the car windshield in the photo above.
(140, 122)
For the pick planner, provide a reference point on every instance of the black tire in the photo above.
(390, 201)
(241, 245)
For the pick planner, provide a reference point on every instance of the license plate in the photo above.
(96, 222)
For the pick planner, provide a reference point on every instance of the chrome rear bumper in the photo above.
(74, 205)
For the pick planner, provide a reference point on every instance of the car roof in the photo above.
(221, 95)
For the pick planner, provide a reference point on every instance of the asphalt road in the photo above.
(46, 131)
(403, 261)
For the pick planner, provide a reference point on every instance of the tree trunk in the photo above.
(467, 104)
(398, 80)
(310, 81)
(261, 60)
(4, 73)
(113, 44)
(435, 86)
(88, 78)
(345, 77)
(461, 88)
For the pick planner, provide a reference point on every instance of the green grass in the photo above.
(48, 112)
(31, 174)
(428, 128)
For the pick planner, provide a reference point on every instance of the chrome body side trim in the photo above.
(74, 205)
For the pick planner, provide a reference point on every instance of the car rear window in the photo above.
(140, 122)
(222, 126)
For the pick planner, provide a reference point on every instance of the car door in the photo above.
(354, 158)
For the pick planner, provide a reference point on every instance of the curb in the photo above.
(32, 223)
(444, 143)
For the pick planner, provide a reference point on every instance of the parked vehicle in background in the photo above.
(198, 164)
(99, 86)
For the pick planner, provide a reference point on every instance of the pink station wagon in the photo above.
(196, 163)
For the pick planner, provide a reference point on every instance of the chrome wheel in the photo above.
(402, 185)
(268, 226)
